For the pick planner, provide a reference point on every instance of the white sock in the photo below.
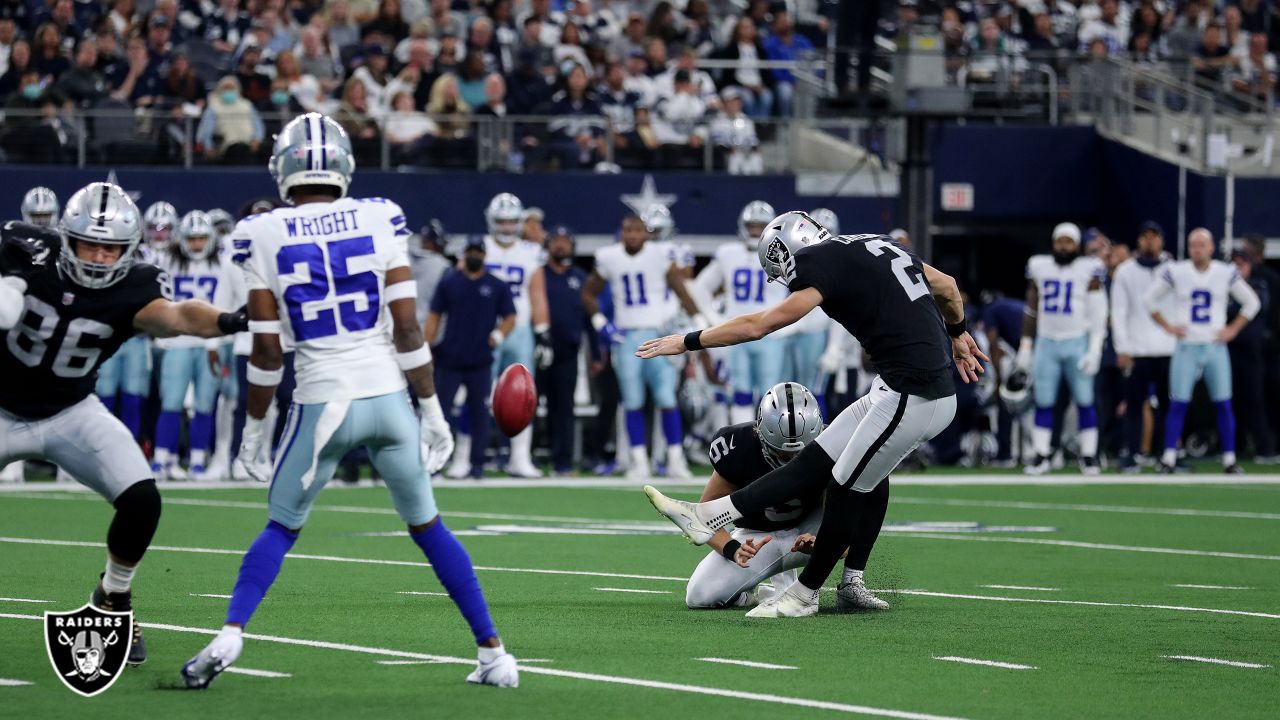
(118, 578)
(717, 513)
(198, 457)
(852, 576)
(1228, 459)
(1089, 442)
(232, 630)
(161, 457)
(1040, 440)
(488, 654)
(1170, 456)
(741, 413)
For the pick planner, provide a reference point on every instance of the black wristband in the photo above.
(730, 550)
(233, 322)
(955, 330)
(693, 340)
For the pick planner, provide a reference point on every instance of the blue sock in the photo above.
(1044, 417)
(635, 428)
(742, 398)
(110, 402)
(1088, 417)
(131, 413)
(1173, 424)
(168, 428)
(672, 427)
(463, 425)
(201, 431)
(258, 570)
(452, 565)
(1226, 425)
(822, 404)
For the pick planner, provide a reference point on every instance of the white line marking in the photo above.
(521, 661)
(210, 595)
(988, 663)
(1091, 603)
(555, 672)
(1092, 546)
(633, 590)
(1021, 587)
(419, 592)
(1212, 587)
(748, 663)
(1216, 661)
(24, 600)
(257, 673)
(6, 682)
(1018, 505)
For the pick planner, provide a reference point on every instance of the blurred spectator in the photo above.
(700, 34)
(1255, 75)
(449, 59)
(569, 49)
(446, 21)
(354, 112)
(378, 82)
(255, 86)
(732, 130)
(124, 13)
(619, 105)
(1142, 49)
(700, 82)
(754, 84)
(1253, 15)
(530, 41)
(406, 127)
(655, 56)
(158, 45)
(569, 323)
(505, 35)
(1040, 37)
(283, 106)
(665, 24)
(342, 29)
(315, 60)
(785, 44)
(471, 79)
(631, 39)
(62, 15)
(305, 89)
(527, 87)
(47, 54)
(225, 29)
(992, 60)
(597, 28)
(421, 31)
(182, 85)
(494, 103)
(448, 109)
(531, 227)
(230, 127)
(1234, 36)
(139, 84)
(575, 142)
(388, 21)
(1248, 358)
(679, 121)
(1212, 57)
(31, 132)
(1184, 36)
(637, 81)
(82, 85)
(480, 41)
(1106, 26)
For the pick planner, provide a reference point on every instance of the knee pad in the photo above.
(137, 516)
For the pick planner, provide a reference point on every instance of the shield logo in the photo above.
(88, 647)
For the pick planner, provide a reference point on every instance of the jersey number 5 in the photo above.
(312, 298)
(912, 284)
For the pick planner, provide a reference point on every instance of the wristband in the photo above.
(265, 327)
(693, 340)
(599, 321)
(403, 290)
(497, 336)
(414, 358)
(730, 550)
(956, 329)
(264, 378)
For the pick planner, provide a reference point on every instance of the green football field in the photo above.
(1079, 598)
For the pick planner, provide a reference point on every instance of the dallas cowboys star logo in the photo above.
(647, 197)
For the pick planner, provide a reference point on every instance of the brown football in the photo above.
(515, 399)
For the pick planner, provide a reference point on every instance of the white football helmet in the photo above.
(40, 207)
(658, 220)
(827, 219)
(503, 217)
(103, 214)
(782, 239)
(752, 219)
(788, 419)
(158, 224)
(197, 224)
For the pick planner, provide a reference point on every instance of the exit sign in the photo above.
(957, 197)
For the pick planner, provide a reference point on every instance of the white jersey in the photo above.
(638, 283)
(232, 293)
(192, 280)
(326, 264)
(514, 264)
(1200, 298)
(1063, 312)
(1133, 332)
(814, 321)
(735, 268)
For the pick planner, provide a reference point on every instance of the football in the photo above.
(515, 399)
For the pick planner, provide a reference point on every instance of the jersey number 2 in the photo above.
(313, 297)
(913, 285)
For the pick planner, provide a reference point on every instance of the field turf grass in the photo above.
(616, 654)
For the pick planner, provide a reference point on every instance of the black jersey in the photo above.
(876, 289)
(49, 361)
(737, 455)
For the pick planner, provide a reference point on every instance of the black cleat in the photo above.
(1166, 469)
(122, 602)
(1233, 469)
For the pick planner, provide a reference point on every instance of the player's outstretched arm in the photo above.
(263, 373)
(164, 318)
(677, 281)
(414, 358)
(741, 329)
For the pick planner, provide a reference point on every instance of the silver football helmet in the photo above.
(40, 207)
(222, 220)
(103, 214)
(782, 239)
(196, 224)
(827, 219)
(504, 208)
(658, 220)
(1015, 392)
(312, 149)
(158, 224)
(788, 419)
(752, 219)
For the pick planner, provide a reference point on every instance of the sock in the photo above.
(822, 404)
(258, 571)
(168, 428)
(1042, 431)
(131, 413)
(741, 412)
(488, 654)
(851, 576)
(118, 578)
(201, 435)
(717, 513)
(452, 566)
(840, 516)
(1169, 457)
(1173, 429)
(1226, 430)
(111, 402)
(463, 424)
(635, 428)
(199, 458)
(671, 427)
(232, 630)
(1088, 419)
(868, 528)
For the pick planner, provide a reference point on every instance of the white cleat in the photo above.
(683, 514)
(638, 469)
(14, 472)
(795, 601)
(460, 466)
(677, 466)
(856, 596)
(176, 472)
(522, 469)
(216, 471)
(1039, 466)
(211, 661)
(499, 672)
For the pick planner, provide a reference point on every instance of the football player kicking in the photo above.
(901, 311)
(330, 275)
(69, 298)
(777, 541)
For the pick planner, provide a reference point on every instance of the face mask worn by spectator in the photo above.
(473, 263)
(280, 97)
(31, 92)
(229, 97)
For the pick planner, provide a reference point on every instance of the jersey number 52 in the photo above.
(312, 298)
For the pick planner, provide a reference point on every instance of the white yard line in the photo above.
(522, 661)
(555, 672)
(1212, 587)
(1131, 509)
(421, 592)
(748, 663)
(1090, 603)
(24, 600)
(1091, 546)
(7, 682)
(1021, 587)
(633, 590)
(210, 595)
(988, 663)
(257, 673)
(1216, 661)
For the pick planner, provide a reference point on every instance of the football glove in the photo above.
(543, 353)
(1089, 363)
(25, 249)
(437, 438)
(11, 302)
(249, 462)
(831, 361)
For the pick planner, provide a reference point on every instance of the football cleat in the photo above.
(1039, 466)
(122, 602)
(677, 466)
(523, 469)
(683, 514)
(638, 469)
(1233, 469)
(856, 596)
(499, 672)
(217, 656)
(1089, 466)
(795, 601)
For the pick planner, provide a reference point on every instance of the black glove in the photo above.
(26, 249)
(542, 352)
(234, 322)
